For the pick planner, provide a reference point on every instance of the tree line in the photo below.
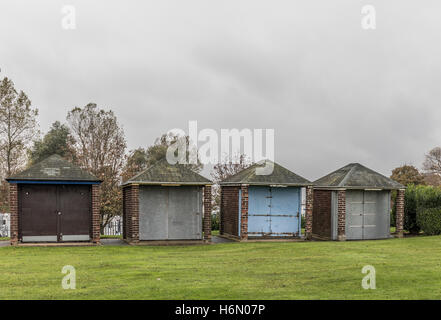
(91, 138)
(430, 174)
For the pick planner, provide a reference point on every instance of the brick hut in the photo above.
(353, 203)
(54, 201)
(264, 206)
(167, 202)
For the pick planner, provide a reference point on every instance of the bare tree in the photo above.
(100, 148)
(229, 167)
(18, 126)
(225, 169)
(432, 163)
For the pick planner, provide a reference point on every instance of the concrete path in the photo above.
(216, 239)
(113, 242)
(5, 243)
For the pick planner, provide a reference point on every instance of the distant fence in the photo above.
(4, 225)
(113, 228)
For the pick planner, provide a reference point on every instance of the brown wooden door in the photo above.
(50, 213)
(74, 206)
(38, 217)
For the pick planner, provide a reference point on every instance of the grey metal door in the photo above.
(354, 214)
(153, 206)
(184, 213)
(376, 220)
(367, 214)
(170, 213)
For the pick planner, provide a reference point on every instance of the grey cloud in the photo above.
(334, 93)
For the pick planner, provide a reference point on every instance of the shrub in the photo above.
(428, 197)
(393, 197)
(410, 209)
(428, 207)
(429, 220)
(214, 222)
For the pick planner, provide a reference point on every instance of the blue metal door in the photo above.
(273, 211)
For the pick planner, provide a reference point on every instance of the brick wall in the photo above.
(400, 213)
(229, 222)
(321, 222)
(125, 192)
(131, 213)
(207, 213)
(13, 205)
(96, 217)
(308, 212)
(341, 215)
(244, 213)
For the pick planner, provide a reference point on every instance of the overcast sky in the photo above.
(333, 92)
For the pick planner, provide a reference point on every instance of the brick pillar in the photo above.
(13, 209)
(308, 212)
(125, 192)
(341, 213)
(96, 216)
(207, 213)
(221, 208)
(244, 212)
(399, 218)
(134, 213)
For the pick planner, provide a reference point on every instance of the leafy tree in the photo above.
(140, 159)
(159, 150)
(136, 162)
(407, 174)
(18, 126)
(57, 140)
(100, 148)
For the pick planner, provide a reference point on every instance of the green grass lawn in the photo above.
(406, 269)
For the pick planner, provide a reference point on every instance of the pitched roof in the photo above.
(279, 176)
(357, 176)
(54, 168)
(162, 172)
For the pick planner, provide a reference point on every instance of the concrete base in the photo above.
(275, 240)
(260, 239)
(229, 237)
(320, 238)
(168, 242)
(58, 244)
(341, 237)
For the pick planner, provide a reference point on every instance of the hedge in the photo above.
(429, 220)
(428, 197)
(410, 209)
(416, 199)
(428, 207)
